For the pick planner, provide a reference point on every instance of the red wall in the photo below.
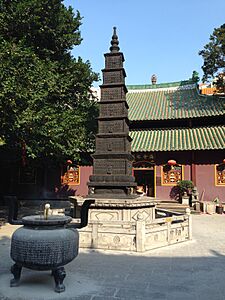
(205, 177)
(82, 188)
(205, 173)
(205, 181)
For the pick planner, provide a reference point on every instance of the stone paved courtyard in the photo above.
(190, 270)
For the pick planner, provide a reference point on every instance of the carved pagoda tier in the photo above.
(112, 161)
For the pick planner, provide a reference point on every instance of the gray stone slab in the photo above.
(38, 285)
(123, 283)
(192, 270)
(107, 291)
(140, 294)
(106, 298)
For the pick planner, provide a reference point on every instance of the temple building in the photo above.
(168, 121)
(175, 133)
(173, 121)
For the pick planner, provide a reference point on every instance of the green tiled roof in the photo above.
(202, 138)
(165, 101)
(160, 85)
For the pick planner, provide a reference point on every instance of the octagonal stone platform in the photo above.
(132, 225)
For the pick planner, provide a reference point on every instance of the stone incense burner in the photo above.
(45, 243)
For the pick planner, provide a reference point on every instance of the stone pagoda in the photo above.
(119, 219)
(112, 165)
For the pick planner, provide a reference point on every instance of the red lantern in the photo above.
(172, 162)
(224, 160)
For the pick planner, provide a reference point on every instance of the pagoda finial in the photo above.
(114, 42)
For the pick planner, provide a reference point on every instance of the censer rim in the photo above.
(51, 221)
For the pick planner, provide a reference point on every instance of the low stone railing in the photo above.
(140, 233)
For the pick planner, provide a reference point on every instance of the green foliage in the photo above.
(195, 77)
(214, 54)
(185, 186)
(44, 91)
(46, 26)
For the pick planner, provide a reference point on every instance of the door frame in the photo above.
(152, 168)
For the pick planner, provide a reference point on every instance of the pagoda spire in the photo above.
(114, 42)
(112, 161)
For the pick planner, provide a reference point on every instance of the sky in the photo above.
(161, 37)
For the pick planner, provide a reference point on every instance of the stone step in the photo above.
(172, 206)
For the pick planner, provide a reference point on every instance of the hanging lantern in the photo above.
(224, 161)
(172, 162)
(68, 164)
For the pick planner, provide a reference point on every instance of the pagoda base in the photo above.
(131, 225)
(112, 187)
(112, 193)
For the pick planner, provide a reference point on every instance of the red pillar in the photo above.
(193, 169)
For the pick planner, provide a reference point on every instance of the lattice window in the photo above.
(220, 174)
(171, 174)
(71, 176)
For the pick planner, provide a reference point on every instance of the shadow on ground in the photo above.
(93, 275)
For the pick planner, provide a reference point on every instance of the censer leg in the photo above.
(59, 275)
(16, 271)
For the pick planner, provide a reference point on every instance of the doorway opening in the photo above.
(145, 177)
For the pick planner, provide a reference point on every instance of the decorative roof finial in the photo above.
(154, 79)
(114, 42)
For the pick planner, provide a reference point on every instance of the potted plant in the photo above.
(185, 186)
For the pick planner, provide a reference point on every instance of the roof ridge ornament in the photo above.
(154, 79)
(114, 42)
